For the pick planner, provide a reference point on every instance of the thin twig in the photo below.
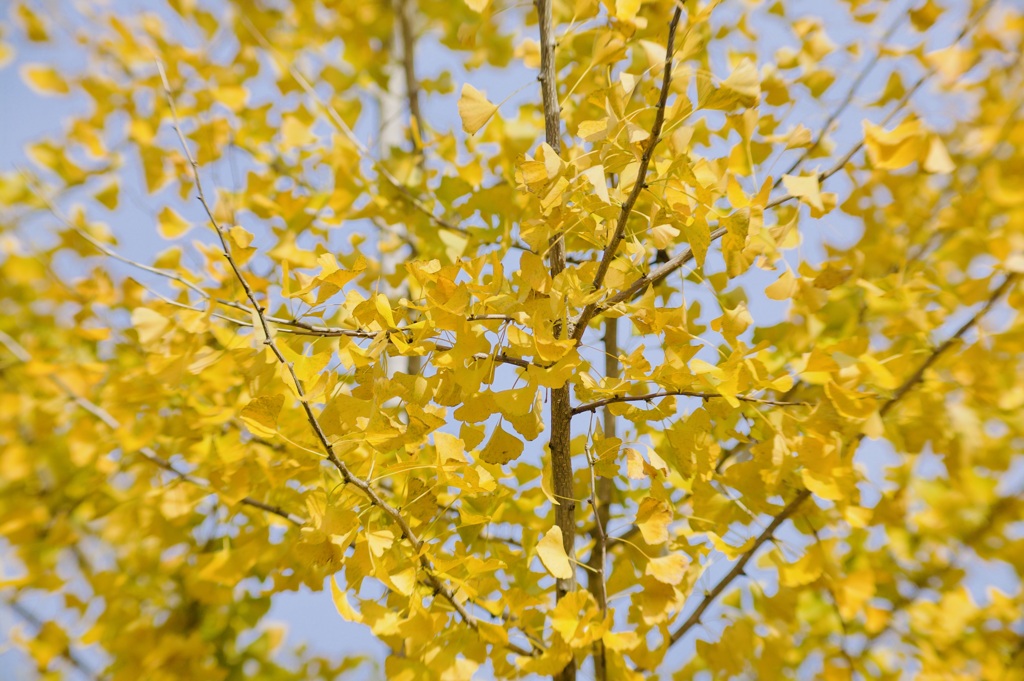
(919, 581)
(603, 491)
(640, 285)
(342, 126)
(857, 82)
(640, 184)
(292, 326)
(805, 494)
(147, 452)
(65, 652)
(418, 545)
(598, 560)
(738, 569)
(592, 406)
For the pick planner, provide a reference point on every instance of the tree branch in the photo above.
(804, 494)
(838, 111)
(626, 209)
(147, 452)
(65, 653)
(418, 545)
(338, 122)
(593, 406)
(559, 444)
(412, 85)
(919, 581)
(737, 569)
(601, 492)
(640, 285)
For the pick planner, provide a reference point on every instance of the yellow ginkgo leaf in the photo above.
(380, 541)
(149, 324)
(552, 554)
(667, 569)
(634, 464)
(850, 403)
(502, 448)
(745, 82)
(783, 288)
(894, 149)
(596, 177)
(664, 236)
(854, 590)
(241, 236)
(625, 10)
(620, 640)
(593, 131)
(938, 160)
(260, 415)
(295, 133)
(44, 79)
(233, 97)
(383, 306)
(652, 519)
(731, 552)
(474, 109)
(345, 608)
(170, 224)
(565, 618)
(806, 188)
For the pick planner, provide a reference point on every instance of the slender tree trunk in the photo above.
(403, 42)
(603, 493)
(407, 38)
(561, 410)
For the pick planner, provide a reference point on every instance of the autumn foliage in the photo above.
(581, 338)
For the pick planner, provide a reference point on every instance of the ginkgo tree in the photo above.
(583, 339)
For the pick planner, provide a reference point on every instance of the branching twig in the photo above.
(592, 406)
(418, 545)
(147, 452)
(293, 326)
(596, 582)
(641, 179)
(65, 652)
(838, 111)
(342, 126)
(640, 285)
(805, 494)
(919, 581)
